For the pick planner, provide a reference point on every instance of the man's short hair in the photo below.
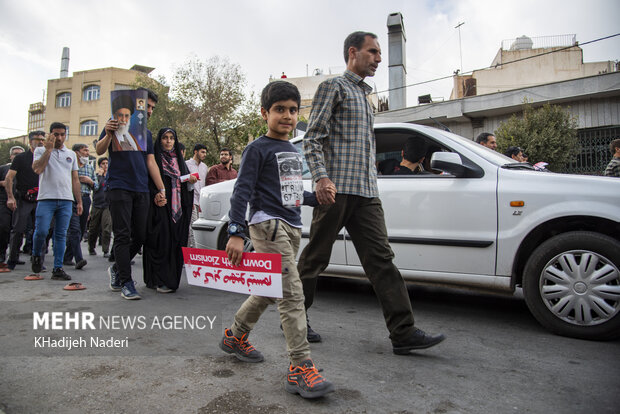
(100, 160)
(78, 146)
(279, 91)
(414, 149)
(33, 134)
(181, 146)
(613, 145)
(152, 95)
(199, 147)
(355, 39)
(483, 137)
(123, 101)
(512, 150)
(14, 147)
(57, 125)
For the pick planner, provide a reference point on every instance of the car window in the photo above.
(390, 144)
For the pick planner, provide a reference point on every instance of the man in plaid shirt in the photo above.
(340, 148)
(613, 168)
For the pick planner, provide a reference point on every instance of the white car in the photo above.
(485, 222)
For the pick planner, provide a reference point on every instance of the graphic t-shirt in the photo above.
(270, 178)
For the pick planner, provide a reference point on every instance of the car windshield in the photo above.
(495, 157)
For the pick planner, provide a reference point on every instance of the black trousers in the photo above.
(364, 220)
(25, 211)
(129, 216)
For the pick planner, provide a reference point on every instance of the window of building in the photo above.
(91, 93)
(88, 128)
(63, 100)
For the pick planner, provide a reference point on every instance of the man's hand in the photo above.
(111, 126)
(79, 209)
(192, 179)
(160, 199)
(50, 141)
(11, 203)
(234, 250)
(86, 180)
(325, 191)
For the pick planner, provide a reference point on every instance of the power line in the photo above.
(501, 64)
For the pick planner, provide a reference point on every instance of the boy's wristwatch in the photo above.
(236, 229)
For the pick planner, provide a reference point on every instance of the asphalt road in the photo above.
(497, 359)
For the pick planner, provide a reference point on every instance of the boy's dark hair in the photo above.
(57, 125)
(151, 95)
(355, 39)
(512, 150)
(78, 146)
(483, 137)
(613, 145)
(100, 160)
(199, 147)
(279, 91)
(414, 149)
(32, 134)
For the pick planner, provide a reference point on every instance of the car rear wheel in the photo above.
(571, 284)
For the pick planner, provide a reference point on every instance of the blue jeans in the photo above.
(61, 210)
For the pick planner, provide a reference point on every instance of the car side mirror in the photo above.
(449, 162)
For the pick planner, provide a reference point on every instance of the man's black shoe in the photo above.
(20, 262)
(313, 336)
(59, 274)
(37, 264)
(68, 262)
(419, 340)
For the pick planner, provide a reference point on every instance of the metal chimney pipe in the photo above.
(64, 63)
(396, 61)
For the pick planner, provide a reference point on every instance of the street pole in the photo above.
(458, 26)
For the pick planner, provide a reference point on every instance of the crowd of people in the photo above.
(51, 192)
(147, 196)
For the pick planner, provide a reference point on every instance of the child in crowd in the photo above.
(270, 180)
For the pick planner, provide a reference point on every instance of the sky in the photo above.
(268, 37)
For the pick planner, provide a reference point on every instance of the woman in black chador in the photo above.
(168, 225)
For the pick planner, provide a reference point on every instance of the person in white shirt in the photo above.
(196, 165)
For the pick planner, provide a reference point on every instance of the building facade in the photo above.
(82, 102)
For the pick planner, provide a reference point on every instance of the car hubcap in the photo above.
(581, 287)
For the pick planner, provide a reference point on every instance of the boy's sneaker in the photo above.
(241, 347)
(306, 381)
(115, 285)
(128, 291)
(37, 264)
(59, 274)
(81, 263)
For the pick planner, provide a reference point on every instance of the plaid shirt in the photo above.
(613, 168)
(340, 141)
(88, 171)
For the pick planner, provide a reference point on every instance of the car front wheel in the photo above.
(571, 284)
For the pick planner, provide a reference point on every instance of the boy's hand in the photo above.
(234, 250)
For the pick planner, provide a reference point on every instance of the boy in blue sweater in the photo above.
(270, 180)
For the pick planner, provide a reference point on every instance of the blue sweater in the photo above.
(270, 180)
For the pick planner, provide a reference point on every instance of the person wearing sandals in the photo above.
(168, 225)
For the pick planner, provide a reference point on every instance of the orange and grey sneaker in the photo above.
(241, 347)
(305, 380)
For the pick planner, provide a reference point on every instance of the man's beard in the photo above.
(123, 129)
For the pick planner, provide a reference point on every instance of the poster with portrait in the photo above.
(129, 109)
